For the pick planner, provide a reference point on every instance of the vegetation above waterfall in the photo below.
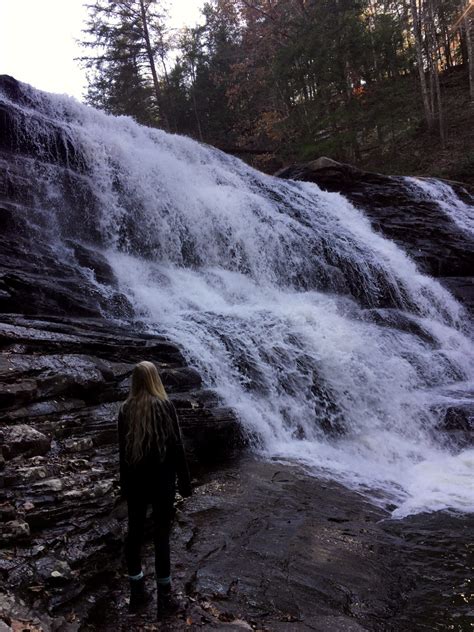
(383, 85)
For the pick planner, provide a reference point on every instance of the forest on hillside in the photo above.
(387, 85)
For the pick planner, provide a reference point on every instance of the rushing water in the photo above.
(324, 337)
(460, 212)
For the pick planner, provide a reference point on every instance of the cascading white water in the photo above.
(332, 347)
(442, 193)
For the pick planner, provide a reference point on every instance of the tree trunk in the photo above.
(469, 29)
(440, 109)
(193, 97)
(434, 59)
(151, 61)
(419, 57)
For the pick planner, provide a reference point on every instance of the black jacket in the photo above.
(153, 475)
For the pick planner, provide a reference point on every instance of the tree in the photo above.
(291, 79)
(127, 37)
(417, 32)
(205, 57)
(468, 23)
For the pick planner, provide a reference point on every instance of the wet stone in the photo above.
(23, 439)
(51, 484)
(68, 494)
(7, 511)
(418, 225)
(13, 531)
(53, 571)
(18, 475)
(78, 445)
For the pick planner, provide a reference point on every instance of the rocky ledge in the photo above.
(263, 546)
(61, 382)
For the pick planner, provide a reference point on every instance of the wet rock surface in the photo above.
(52, 260)
(23, 439)
(429, 236)
(462, 288)
(61, 381)
(458, 422)
(263, 546)
(35, 278)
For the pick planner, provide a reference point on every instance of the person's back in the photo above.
(151, 457)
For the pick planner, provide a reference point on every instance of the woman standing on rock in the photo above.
(151, 457)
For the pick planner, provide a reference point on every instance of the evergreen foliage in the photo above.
(126, 38)
(293, 78)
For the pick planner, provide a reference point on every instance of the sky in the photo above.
(37, 40)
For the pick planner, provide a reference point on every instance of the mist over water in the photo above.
(331, 346)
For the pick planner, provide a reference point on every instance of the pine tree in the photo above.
(126, 38)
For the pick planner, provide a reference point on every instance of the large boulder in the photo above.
(23, 439)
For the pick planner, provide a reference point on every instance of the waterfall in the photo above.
(442, 193)
(325, 338)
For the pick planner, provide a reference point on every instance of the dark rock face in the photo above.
(65, 367)
(24, 440)
(289, 560)
(458, 421)
(54, 145)
(462, 288)
(51, 260)
(263, 546)
(34, 277)
(431, 238)
(61, 382)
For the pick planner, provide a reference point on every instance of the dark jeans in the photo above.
(162, 519)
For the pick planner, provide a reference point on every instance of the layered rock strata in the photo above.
(61, 382)
(69, 340)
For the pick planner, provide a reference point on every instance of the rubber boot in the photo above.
(138, 595)
(167, 605)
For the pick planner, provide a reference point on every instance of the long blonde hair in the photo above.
(147, 413)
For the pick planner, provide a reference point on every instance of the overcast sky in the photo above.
(37, 40)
